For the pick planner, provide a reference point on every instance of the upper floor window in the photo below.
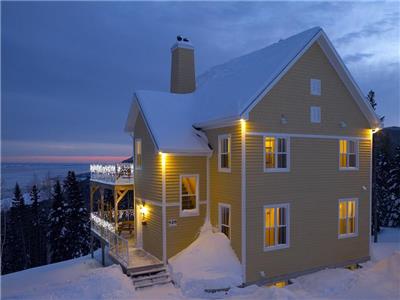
(189, 195)
(276, 226)
(315, 114)
(138, 154)
(276, 154)
(315, 87)
(348, 215)
(224, 153)
(348, 156)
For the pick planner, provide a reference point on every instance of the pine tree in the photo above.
(57, 226)
(393, 218)
(17, 244)
(371, 100)
(37, 249)
(78, 226)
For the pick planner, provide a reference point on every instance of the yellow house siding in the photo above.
(186, 230)
(312, 188)
(291, 97)
(178, 165)
(226, 187)
(148, 179)
(314, 183)
(152, 231)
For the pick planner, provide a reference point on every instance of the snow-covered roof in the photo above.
(227, 92)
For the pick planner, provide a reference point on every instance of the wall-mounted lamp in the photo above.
(375, 130)
(143, 213)
(343, 124)
(283, 119)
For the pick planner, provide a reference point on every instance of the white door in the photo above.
(224, 219)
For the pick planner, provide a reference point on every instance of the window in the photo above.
(138, 154)
(315, 114)
(348, 154)
(276, 154)
(276, 226)
(225, 219)
(348, 226)
(224, 153)
(315, 87)
(189, 195)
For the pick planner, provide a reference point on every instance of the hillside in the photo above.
(84, 278)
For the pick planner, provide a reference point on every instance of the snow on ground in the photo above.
(84, 278)
(208, 263)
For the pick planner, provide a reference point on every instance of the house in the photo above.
(273, 148)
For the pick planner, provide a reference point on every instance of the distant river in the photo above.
(26, 174)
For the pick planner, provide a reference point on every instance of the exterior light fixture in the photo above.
(375, 130)
(343, 124)
(143, 211)
(283, 119)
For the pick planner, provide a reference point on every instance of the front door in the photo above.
(224, 218)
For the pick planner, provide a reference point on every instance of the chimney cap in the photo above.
(182, 42)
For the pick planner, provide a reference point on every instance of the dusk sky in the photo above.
(69, 70)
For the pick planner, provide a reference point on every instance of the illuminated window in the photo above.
(315, 87)
(348, 217)
(138, 154)
(189, 195)
(224, 153)
(315, 114)
(276, 154)
(276, 226)
(348, 154)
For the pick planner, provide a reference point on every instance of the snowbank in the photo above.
(208, 263)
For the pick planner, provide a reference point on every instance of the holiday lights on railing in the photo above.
(112, 172)
(102, 223)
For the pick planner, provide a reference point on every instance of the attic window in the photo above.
(138, 154)
(315, 87)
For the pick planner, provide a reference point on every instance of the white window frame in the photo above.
(193, 212)
(315, 87)
(282, 246)
(276, 169)
(220, 138)
(357, 153)
(355, 233)
(220, 205)
(315, 114)
(141, 154)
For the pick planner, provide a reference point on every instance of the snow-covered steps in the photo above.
(150, 277)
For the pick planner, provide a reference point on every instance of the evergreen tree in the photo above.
(57, 226)
(393, 218)
(371, 100)
(78, 226)
(17, 244)
(381, 186)
(37, 241)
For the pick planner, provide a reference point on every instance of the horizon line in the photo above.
(64, 159)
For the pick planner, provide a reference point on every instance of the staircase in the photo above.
(150, 276)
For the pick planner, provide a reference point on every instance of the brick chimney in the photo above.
(182, 67)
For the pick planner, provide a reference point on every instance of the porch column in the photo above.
(102, 202)
(116, 208)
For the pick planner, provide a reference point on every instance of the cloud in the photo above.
(353, 58)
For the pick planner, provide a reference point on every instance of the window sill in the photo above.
(348, 235)
(348, 169)
(277, 170)
(224, 170)
(273, 248)
(187, 213)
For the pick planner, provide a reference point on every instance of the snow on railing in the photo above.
(118, 246)
(114, 173)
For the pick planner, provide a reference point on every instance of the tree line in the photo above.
(35, 234)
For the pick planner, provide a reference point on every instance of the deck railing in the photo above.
(118, 246)
(121, 173)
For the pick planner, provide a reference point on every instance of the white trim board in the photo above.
(168, 204)
(243, 200)
(309, 136)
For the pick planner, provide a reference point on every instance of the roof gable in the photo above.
(230, 91)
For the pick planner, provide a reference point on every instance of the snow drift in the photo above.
(208, 263)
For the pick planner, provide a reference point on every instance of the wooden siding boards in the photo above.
(187, 228)
(148, 187)
(226, 187)
(314, 183)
